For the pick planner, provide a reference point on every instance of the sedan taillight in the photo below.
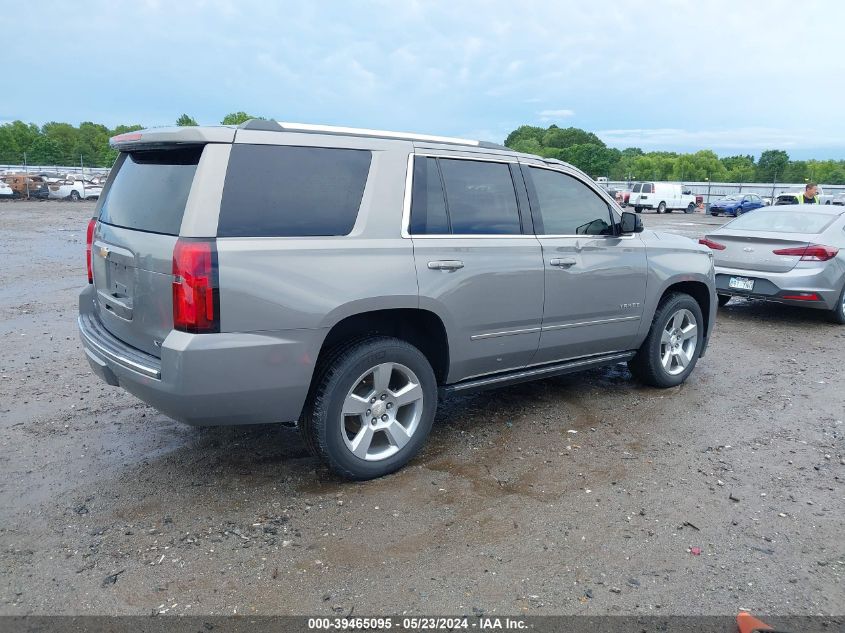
(810, 253)
(711, 244)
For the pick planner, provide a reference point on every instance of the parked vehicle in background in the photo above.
(25, 186)
(50, 176)
(838, 199)
(786, 199)
(632, 188)
(789, 254)
(736, 204)
(663, 197)
(441, 266)
(791, 197)
(5, 190)
(75, 189)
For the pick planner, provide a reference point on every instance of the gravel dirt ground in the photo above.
(586, 494)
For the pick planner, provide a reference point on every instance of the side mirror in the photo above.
(631, 223)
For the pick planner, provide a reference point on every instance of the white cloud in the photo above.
(556, 114)
(739, 138)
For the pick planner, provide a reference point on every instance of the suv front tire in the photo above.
(372, 407)
(673, 345)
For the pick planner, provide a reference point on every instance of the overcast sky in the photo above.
(737, 77)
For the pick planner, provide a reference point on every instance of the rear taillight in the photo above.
(89, 242)
(711, 244)
(196, 298)
(810, 253)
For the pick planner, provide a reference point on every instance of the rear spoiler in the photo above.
(172, 136)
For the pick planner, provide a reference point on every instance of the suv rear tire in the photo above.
(372, 407)
(673, 345)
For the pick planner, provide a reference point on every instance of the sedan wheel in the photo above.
(838, 312)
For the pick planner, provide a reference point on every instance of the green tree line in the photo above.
(589, 153)
(64, 144)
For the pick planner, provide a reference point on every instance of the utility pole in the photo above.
(82, 178)
(708, 192)
(774, 180)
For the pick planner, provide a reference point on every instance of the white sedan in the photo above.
(76, 189)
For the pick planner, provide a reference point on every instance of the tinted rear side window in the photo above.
(283, 191)
(647, 187)
(149, 189)
(480, 197)
(428, 206)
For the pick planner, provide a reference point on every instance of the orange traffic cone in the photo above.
(747, 623)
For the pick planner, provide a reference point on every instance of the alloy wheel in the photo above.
(382, 411)
(678, 342)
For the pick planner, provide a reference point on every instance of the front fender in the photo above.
(675, 261)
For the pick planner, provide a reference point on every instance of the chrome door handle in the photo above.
(446, 264)
(563, 262)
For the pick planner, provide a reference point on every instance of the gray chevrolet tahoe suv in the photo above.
(345, 279)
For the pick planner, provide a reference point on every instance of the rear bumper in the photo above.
(825, 283)
(208, 379)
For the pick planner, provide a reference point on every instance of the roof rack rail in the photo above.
(271, 125)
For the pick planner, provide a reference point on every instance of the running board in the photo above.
(534, 373)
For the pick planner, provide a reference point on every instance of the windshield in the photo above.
(782, 222)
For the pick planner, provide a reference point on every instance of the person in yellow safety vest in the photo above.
(810, 195)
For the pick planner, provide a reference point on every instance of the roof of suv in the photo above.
(223, 133)
(227, 133)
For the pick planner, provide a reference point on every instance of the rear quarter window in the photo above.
(286, 191)
(149, 189)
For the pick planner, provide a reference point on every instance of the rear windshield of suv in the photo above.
(149, 189)
(782, 221)
(287, 191)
